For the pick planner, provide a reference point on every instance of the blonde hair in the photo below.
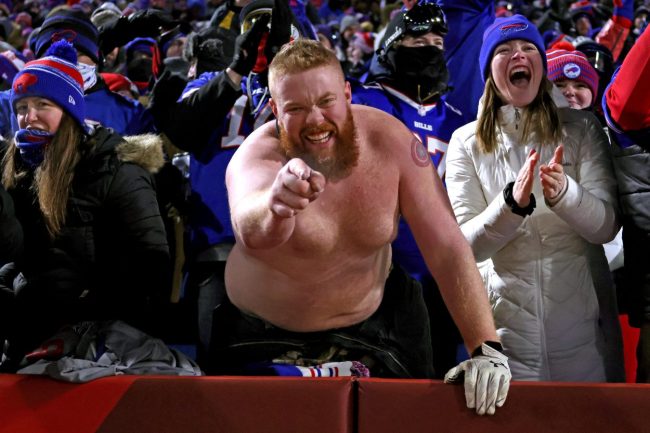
(53, 178)
(540, 117)
(299, 56)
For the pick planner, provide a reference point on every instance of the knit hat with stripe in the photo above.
(572, 65)
(54, 77)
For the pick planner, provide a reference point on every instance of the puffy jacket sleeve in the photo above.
(11, 231)
(589, 205)
(488, 227)
(190, 121)
(627, 96)
(145, 255)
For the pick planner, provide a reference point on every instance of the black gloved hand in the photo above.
(7, 297)
(151, 22)
(146, 23)
(7, 275)
(246, 46)
(280, 29)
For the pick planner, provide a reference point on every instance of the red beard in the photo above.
(334, 163)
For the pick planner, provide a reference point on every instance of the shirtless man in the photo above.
(315, 199)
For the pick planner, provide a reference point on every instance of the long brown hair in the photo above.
(53, 178)
(540, 117)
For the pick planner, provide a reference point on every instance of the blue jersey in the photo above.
(8, 122)
(113, 110)
(433, 125)
(467, 20)
(210, 221)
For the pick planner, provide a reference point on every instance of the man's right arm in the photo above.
(249, 177)
(486, 375)
(266, 192)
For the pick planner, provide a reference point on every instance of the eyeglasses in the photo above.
(425, 17)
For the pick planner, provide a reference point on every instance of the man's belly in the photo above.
(307, 297)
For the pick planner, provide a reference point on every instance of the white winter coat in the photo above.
(546, 275)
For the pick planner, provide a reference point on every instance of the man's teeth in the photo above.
(320, 137)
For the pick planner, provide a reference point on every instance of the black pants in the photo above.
(394, 342)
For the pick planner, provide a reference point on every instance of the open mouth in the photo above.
(34, 128)
(520, 76)
(318, 136)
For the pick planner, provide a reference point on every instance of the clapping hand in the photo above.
(523, 186)
(552, 175)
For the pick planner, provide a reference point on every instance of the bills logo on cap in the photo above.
(24, 82)
(514, 27)
(67, 34)
(571, 71)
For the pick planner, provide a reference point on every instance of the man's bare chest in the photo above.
(360, 215)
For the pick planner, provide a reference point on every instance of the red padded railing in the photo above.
(154, 404)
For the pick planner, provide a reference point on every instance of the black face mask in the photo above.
(421, 72)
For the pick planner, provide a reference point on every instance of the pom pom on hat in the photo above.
(572, 65)
(54, 77)
(504, 30)
(63, 50)
(561, 45)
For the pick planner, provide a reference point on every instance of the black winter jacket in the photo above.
(111, 260)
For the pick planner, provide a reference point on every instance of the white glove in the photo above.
(487, 379)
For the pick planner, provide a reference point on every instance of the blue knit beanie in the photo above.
(504, 30)
(54, 77)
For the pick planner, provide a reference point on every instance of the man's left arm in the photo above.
(425, 206)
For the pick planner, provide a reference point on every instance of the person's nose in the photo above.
(315, 116)
(517, 53)
(31, 115)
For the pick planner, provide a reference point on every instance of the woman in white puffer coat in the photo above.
(542, 260)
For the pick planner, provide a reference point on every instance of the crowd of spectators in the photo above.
(149, 246)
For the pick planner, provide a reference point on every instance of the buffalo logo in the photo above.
(571, 71)
(515, 27)
(22, 83)
(67, 34)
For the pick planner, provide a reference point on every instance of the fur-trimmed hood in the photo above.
(145, 150)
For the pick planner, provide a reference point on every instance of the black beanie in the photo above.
(72, 25)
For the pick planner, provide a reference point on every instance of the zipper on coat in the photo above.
(517, 118)
(545, 370)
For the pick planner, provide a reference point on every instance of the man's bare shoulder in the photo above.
(372, 116)
(383, 132)
(263, 138)
(260, 150)
(261, 144)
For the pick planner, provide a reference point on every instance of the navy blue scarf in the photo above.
(32, 143)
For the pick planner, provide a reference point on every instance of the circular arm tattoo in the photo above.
(419, 153)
